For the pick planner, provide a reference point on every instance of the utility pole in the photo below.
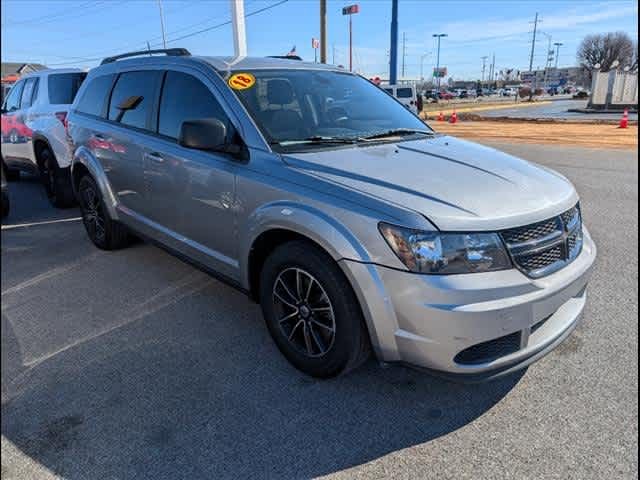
(438, 36)
(533, 48)
(323, 31)
(558, 45)
(393, 51)
(422, 57)
(484, 59)
(239, 33)
(492, 70)
(404, 49)
(333, 52)
(548, 61)
(164, 38)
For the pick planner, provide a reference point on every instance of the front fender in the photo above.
(83, 156)
(336, 239)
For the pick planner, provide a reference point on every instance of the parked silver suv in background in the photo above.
(352, 223)
(34, 139)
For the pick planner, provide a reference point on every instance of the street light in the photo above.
(438, 36)
(557, 45)
(422, 57)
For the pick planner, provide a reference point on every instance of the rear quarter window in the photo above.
(404, 93)
(95, 95)
(64, 86)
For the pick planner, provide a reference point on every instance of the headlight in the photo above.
(446, 253)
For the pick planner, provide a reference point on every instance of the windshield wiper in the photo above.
(317, 139)
(397, 132)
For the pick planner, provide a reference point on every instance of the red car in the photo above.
(444, 95)
(13, 129)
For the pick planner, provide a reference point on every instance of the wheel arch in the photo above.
(84, 163)
(283, 221)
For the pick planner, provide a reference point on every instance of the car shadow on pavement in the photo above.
(132, 364)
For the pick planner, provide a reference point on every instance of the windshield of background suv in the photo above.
(292, 106)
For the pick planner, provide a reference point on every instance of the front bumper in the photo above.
(427, 321)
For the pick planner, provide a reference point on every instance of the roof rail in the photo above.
(174, 52)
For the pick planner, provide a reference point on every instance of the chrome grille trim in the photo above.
(545, 247)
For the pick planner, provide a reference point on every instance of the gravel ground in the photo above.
(134, 365)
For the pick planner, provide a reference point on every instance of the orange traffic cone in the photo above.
(454, 117)
(441, 117)
(624, 121)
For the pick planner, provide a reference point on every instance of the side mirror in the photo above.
(204, 134)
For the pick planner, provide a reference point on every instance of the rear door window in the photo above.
(27, 92)
(64, 86)
(95, 95)
(13, 100)
(132, 98)
(184, 97)
(404, 93)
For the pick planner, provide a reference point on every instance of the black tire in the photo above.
(14, 136)
(348, 346)
(56, 181)
(5, 204)
(105, 233)
(11, 174)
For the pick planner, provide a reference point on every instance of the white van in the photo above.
(405, 94)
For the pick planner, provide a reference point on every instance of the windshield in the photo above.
(293, 106)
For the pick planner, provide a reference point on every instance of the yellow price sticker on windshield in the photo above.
(241, 81)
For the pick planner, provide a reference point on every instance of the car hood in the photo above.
(457, 185)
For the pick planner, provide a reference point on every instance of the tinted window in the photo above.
(132, 98)
(389, 91)
(95, 95)
(64, 86)
(184, 97)
(404, 93)
(27, 92)
(13, 100)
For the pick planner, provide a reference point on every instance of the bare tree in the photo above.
(634, 61)
(604, 49)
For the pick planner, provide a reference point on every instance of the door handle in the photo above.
(154, 157)
(99, 136)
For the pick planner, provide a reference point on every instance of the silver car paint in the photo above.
(212, 209)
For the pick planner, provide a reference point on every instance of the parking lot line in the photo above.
(35, 224)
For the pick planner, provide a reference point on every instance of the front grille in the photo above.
(531, 232)
(544, 247)
(488, 351)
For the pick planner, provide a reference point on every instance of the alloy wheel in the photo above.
(93, 213)
(304, 311)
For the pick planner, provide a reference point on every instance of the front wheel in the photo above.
(311, 311)
(103, 231)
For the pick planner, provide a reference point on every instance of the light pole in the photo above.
(422, 57)
(438, 36)
(558, 45)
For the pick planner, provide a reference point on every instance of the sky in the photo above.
(67, 33)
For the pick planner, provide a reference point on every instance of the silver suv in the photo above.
(351, 222)
(34, 138)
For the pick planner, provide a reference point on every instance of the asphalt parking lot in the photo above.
(132, 364)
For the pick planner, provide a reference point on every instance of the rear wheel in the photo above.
(311, 311)
(103, 231)
(56, 180)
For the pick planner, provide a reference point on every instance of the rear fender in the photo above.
(83, 156)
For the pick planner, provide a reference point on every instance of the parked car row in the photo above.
(354, 225)
(33, 130)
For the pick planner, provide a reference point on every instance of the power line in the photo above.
(255, 12)
(50, 17)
